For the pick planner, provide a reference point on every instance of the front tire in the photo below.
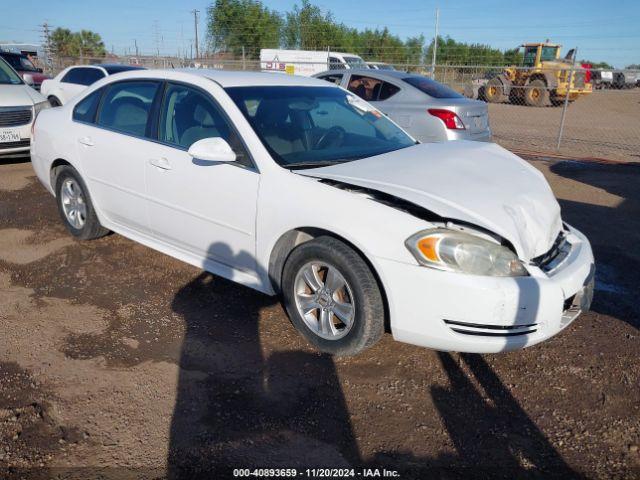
(332, 297)
(536, 94)
(75, 207)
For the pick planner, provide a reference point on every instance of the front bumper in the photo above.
(19, 148)
(465, 313)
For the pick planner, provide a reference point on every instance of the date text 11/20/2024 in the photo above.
(315, 473)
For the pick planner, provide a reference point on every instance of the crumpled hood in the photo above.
(474, 182)
(18, 96)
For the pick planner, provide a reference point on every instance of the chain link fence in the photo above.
(529, 110)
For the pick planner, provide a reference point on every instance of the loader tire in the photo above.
(536, 94)
(494, 91)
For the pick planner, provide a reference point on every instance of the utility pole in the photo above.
(195, 24)
(156, 37)
(435, 46)
(135, 43)
(46, 42)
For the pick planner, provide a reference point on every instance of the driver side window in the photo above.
(189, 115)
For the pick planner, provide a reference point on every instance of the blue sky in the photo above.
(608, 31)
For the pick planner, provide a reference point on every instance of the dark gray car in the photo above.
(428, 110)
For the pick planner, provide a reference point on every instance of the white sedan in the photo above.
(73, 80)
(293, 186)
(19, 105)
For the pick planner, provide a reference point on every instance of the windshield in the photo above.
(7, 75)
(355, 62)
(305, 127)
(548, 54)
(431, 87)
(21, 63)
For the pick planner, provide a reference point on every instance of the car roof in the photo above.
(233, 78)
(394, 74)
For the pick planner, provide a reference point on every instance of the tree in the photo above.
(90, 44)
(234, 24)
(452, 52)
(62, 42)
(307, 28)
(74, 44)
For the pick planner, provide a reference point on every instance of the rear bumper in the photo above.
(465, 313)
(483, 136)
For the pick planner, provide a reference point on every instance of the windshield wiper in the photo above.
(301, 165)
(322, 163)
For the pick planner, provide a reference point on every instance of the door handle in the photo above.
(161, 163)
(86, 141)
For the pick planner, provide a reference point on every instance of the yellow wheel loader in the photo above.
(543, 78)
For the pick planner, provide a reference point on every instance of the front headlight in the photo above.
(455, 251)
(38, 107)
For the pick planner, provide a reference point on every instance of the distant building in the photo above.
(24, 48)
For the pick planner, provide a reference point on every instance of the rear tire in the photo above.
(494, 91)
(332, 297)
(536, 94)
(75, 206)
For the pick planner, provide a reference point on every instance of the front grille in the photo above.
(8, 145)
(15, 116)
(486, 330)
(578, 79)
(557, 253)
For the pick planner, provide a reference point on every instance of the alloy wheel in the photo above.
(324, 300)
(73, 203)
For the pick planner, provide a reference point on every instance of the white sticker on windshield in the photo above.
(360, 104)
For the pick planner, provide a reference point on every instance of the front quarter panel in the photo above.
(289, 201)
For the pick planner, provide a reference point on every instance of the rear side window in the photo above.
(371, 89)
(431, 87)
(85, 110)
(126, 107)
(83, 76)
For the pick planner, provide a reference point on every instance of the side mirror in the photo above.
(213, 149)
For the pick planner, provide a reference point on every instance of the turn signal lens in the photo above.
(456, 251)
(427, 247)
(450, 119)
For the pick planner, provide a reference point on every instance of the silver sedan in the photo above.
(428, 110)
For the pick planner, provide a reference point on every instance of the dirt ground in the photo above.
(120, 362)
(603, 124)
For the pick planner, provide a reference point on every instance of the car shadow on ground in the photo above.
(237, 407)
(615, 248)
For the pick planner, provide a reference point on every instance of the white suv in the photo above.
(19, 105)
